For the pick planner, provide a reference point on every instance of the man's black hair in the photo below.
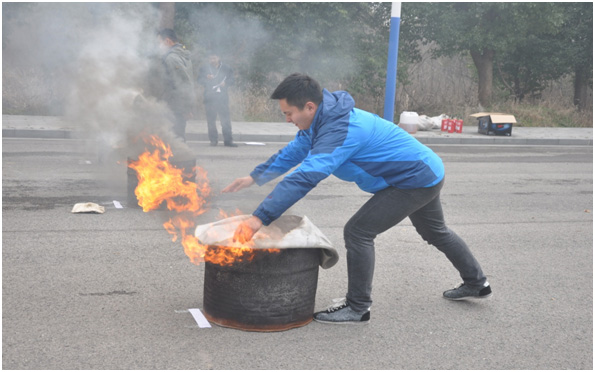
(298, 89)
(168, 33)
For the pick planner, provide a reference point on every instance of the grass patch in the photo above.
(542, 115)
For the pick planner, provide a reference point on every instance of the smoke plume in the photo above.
(100, 54)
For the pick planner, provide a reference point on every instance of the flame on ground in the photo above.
(161, 182)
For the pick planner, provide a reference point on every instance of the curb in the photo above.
(506, 141)
(242, 137)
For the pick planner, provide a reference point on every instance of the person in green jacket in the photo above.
(177, 81)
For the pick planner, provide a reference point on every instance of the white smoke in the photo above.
(112, 67)
(97, 55)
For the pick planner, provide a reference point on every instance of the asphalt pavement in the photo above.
(112, 290)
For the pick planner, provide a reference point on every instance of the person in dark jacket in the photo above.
(216, 78)
(403, 176)
(177, 81)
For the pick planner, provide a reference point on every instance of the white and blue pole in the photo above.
(391, 67)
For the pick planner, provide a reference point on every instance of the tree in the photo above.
(540, 58)
(534, 60)
(266, 41)
(484, 30)
(315, 38)
(369, 79)
(577, 39)
(344, 45)
(168, 11)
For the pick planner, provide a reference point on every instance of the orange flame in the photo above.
(159, 181)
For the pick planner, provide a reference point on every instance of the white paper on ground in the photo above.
(255, 143)
(117, 204)
(200, 319)
(87, 208)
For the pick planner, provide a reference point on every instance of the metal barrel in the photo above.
(273, 292)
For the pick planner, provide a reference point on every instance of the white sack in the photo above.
(285, 233)
(425, 123)
(428, 123)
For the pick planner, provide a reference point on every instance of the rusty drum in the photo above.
(273, 292)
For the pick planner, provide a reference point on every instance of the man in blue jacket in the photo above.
(404, 176)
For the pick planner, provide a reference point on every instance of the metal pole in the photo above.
(391, 67)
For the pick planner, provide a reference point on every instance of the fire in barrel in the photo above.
(272, 292)
(266, 284)
(183, 190)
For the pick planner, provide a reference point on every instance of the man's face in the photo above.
(164, 44)
(214, 60)
(301, 118)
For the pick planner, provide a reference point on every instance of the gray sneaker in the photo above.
(464, 292)
(341, 313)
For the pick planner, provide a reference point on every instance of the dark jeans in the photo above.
(386, 209)
(214, 107)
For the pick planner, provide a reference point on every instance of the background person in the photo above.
(404, 177)
(176, 85)
(216, 78)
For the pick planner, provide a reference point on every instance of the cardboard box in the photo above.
(494, 123)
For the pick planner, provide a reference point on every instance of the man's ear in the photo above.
(311, 106)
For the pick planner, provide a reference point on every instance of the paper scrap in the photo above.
(200, 318)
(255, 143)
(88, 208)
(117, 204)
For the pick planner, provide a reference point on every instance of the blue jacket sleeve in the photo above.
(319, 164)
(287, 158)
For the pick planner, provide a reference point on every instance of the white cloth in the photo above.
(284, 233)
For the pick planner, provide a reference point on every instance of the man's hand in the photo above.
(247, 229)
(239, 184)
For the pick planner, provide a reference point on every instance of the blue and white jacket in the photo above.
(352, 144)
